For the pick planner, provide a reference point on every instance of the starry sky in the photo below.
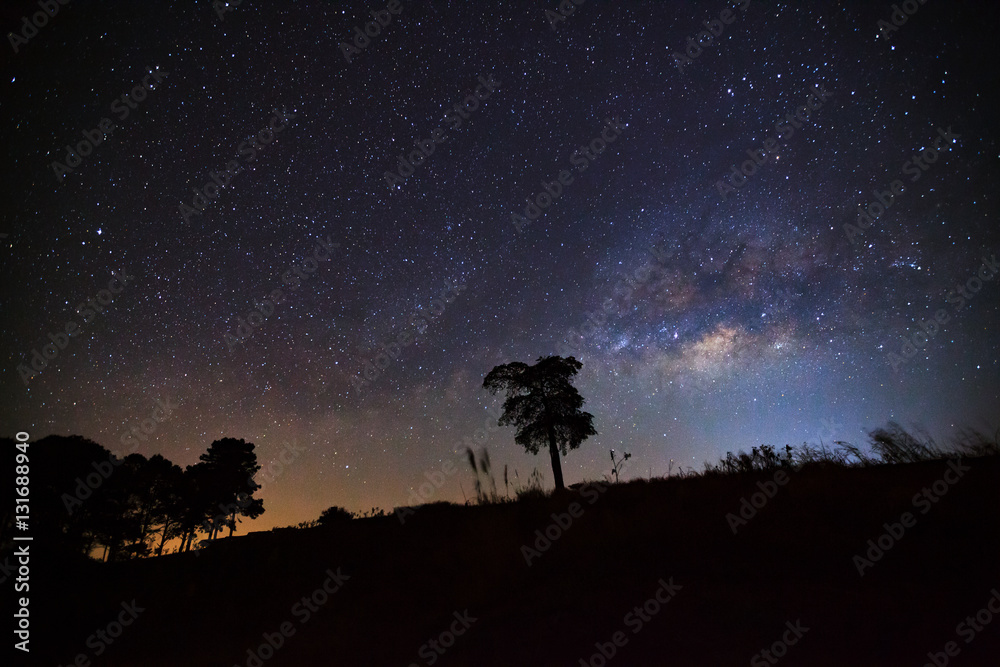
(248, 161)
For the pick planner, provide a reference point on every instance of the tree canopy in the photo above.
(84, 497)
(544, 405)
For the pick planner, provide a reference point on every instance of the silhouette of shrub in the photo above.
(485, 485)
(888, 445)
(534, 489)
(334, 516)
(974, 443)
(894, 444)
(763, 458)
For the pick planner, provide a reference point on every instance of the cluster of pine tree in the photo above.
(84, 498)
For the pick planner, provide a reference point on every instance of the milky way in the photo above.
(335, 220)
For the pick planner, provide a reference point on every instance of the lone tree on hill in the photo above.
(543, 405)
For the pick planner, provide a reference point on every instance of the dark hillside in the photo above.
(791, 562)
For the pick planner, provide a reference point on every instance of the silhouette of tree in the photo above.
(84, 497)
(165, 481)
(136, 476)
(544, 406)
(117, 514)
(195, 504)
(138, 498)
(69, 476)
(230, 466)
(138, 503)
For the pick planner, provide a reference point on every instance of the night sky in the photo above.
(708, 317)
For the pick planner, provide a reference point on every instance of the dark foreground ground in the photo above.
(733, 594)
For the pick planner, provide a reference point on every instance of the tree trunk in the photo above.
(553, 449)
(166, 527)
(556, 464)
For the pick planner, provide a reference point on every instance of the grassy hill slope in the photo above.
(792, 562)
